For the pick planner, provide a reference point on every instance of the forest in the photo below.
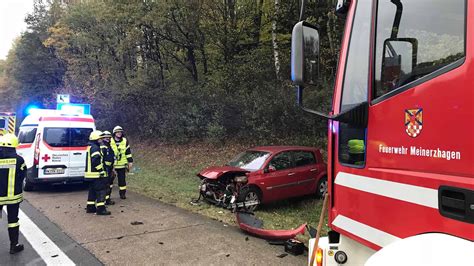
(176, 70)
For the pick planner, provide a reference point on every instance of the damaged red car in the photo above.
(265, 174)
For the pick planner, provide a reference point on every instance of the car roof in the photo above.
(274, 149)
(54, 115)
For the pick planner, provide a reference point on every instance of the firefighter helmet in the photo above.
(106, 134)
(95, 135)
(9, 141)
(117, 129)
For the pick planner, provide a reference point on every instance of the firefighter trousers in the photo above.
(121, 175)
(13, 225)
(110, 184)
(97, 193)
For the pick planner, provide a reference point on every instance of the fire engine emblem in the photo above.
(414, 121)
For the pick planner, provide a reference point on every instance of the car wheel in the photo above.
(322, 187)
(27, 186)
(249, 194)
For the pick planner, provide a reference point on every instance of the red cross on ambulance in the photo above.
(46, 158)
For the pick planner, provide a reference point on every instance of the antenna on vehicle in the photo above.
(303, 4)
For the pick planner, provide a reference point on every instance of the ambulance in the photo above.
(54, 146)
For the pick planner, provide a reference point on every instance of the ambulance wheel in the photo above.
(322, 187)
(27, 186)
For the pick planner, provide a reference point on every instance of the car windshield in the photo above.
(250, 160)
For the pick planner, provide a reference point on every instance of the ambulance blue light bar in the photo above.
(30, 109)
(74, 108)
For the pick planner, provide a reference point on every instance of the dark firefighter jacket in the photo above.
(12, 173)
(94, 162)
(109, 155)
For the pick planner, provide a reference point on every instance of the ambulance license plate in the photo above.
(54, 171)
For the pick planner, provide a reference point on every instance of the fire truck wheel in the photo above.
(322, 187)
(249, 194)
(27, 186)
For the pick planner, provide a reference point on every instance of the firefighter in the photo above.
(356, 151)
(96, 175)
(124, 160)
(109, 159)
(12, 173)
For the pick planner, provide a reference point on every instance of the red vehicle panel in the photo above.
(398, 189)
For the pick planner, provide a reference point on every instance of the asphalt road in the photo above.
(46, 240)
(140, 231)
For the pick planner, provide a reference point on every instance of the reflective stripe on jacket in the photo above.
(109, 156)
(12, 173)
(94, 162)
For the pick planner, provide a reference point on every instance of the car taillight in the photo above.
(319, 257)
(37, 151)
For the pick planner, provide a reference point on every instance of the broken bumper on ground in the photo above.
(253, 226)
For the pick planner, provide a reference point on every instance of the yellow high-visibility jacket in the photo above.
(122, 152)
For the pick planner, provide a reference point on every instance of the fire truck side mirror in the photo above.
(304, 54)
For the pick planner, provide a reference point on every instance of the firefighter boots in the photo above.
(101, 210)
(109, 202)
(13, 233)
(16, 248)
(91, 209)
(122, 194)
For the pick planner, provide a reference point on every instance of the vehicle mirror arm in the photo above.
(302, 9)
(299, 102)
(357, 115)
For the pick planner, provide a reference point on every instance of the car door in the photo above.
(306, 172)
(280, 177)
(54, 154)
(26, 137)
(77, 151)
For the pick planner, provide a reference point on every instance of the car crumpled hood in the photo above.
(215, 172)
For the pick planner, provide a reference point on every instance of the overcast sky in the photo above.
(12, 22)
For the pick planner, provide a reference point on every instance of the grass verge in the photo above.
(168, 173)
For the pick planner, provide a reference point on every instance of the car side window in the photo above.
(56, 137)
(80, 136)
(281, 161)
(303, 158)
(27, 135)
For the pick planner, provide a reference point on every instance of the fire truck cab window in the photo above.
(415, 39)
(355, 88)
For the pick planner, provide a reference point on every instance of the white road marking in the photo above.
(48, 251)
(415, 194)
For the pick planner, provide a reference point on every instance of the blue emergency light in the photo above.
(74, 108)
(31, 109)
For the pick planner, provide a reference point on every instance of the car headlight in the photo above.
(241, 179)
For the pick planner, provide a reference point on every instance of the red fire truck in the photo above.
(401, 132)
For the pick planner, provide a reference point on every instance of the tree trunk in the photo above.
(258, 23)
(276, 54)
(191, 58)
